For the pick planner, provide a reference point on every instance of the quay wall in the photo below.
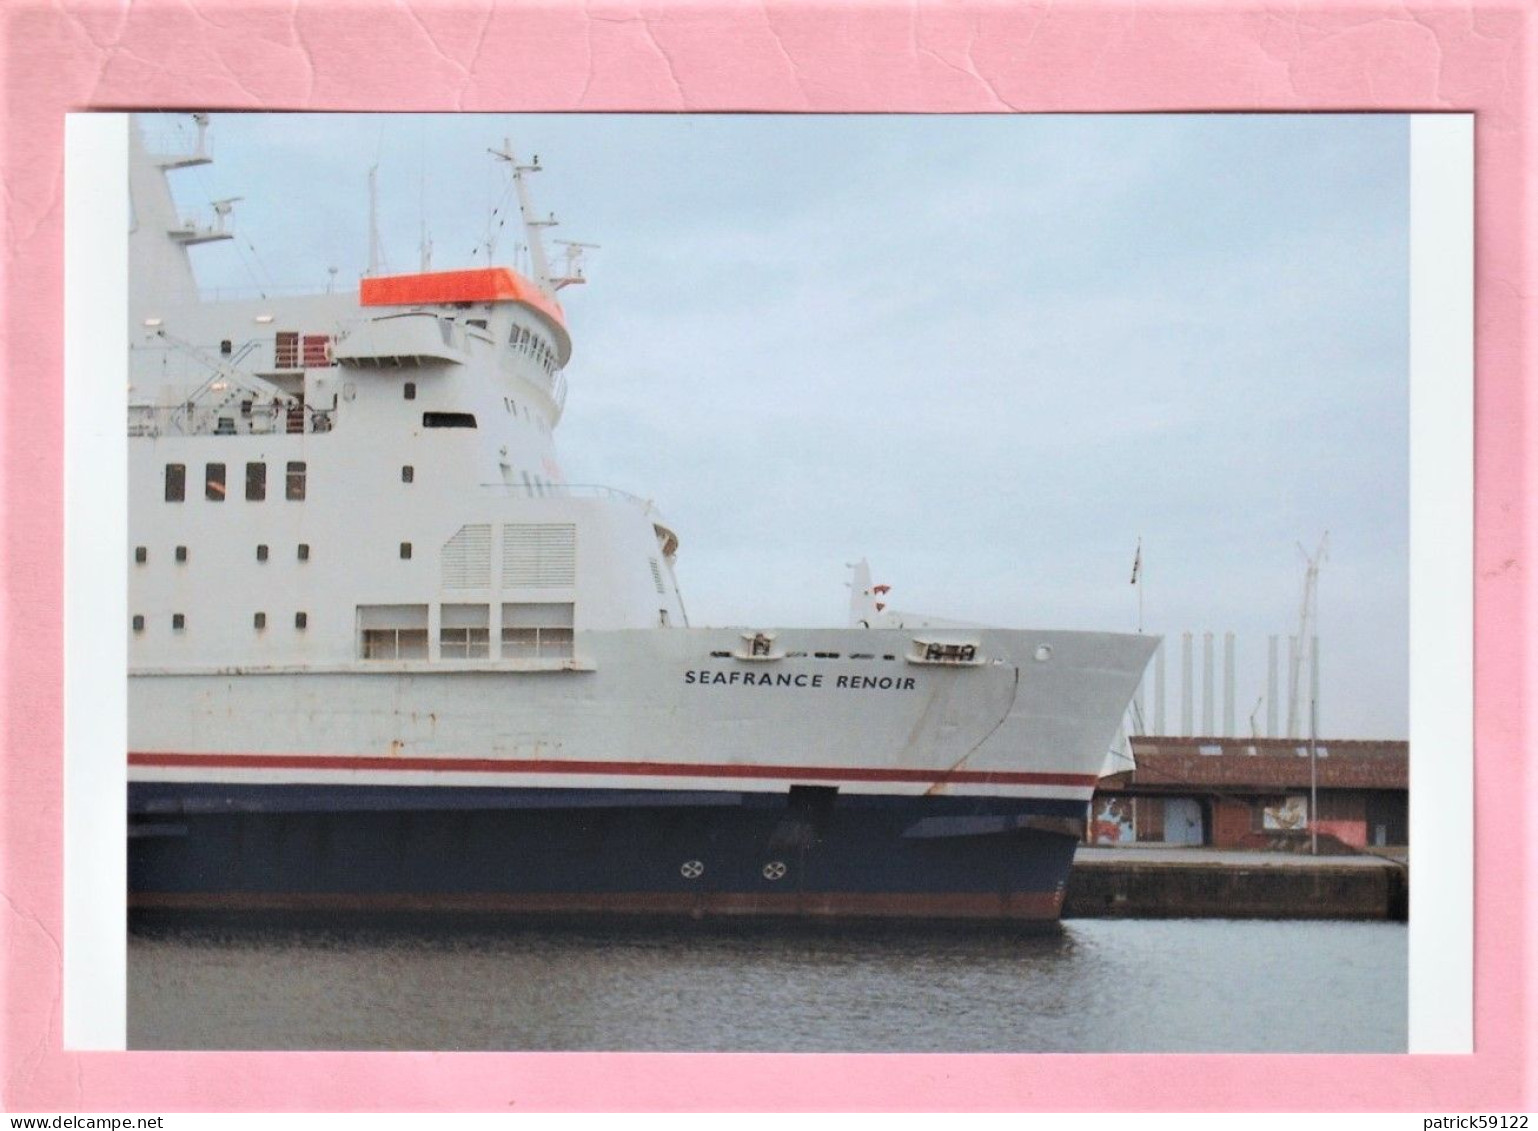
(1235, 886)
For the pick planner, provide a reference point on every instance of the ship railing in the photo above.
(570, 491)
(255, 291)
(238, 419)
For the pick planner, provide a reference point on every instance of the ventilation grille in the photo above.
(467, 558)
(657, 577)
(539, 556)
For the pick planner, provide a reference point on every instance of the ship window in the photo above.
(256, 482)
(141, 554)
(226, 346)
(178, 621)
(411, 390)
(392, 632)
(213, 483)
(448, 420)
(464, 632)
(259, 621)
(657, 577)
(304, 551)
(295, 489)
(261, 552)
(537, 630)
(408, 474)
(181, 553)
(138, 624)
(176, 482)
(405, 551)
(301, 620)
(286, 350)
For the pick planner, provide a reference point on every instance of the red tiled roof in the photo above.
(1169, 764)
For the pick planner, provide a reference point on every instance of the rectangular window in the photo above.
(213, 483)
(541, 630)
(411, 390)
(448, 420)
(261, 552)
(256, 482)
(408, 474)
(392, 632)
(259, 621)
(138, 624)
(295, 488)
(465, 632)
(176, 482)
(178, 621)
(181, 553)
(304, 551)
(286, 350)
(405, 551)
(141, 554)
(317, 350)
(301, 620)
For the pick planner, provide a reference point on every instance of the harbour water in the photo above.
(1091, 986)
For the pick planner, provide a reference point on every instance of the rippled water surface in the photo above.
(1093, 986)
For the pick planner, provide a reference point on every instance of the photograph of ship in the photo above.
(395, 658)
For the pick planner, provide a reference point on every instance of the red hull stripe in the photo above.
(629, 769)
(1018, 906)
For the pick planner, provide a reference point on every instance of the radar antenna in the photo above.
(571, 263)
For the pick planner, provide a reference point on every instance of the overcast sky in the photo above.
(988, 353)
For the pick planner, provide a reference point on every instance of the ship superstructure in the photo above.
(383, 654)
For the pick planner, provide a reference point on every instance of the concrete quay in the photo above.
(1206, 883)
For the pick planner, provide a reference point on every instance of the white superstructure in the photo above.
(355, 558)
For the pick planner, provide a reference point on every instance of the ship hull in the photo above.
(806, 853)
(655, 774)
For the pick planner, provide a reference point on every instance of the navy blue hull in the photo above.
(811, 851)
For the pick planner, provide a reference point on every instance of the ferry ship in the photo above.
(384, 657)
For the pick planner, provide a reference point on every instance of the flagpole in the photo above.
(1137, 577)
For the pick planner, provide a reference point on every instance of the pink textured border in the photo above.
(1479, 55)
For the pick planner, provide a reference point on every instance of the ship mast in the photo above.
(532, 227)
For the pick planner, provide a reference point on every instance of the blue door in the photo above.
(1182, 821)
